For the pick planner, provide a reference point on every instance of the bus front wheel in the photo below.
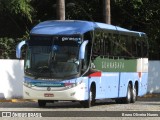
(41, 103)
(91, 100)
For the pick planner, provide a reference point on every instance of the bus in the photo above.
(84, 61)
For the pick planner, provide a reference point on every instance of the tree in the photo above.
(20, 7)
(140, 16)
(61, 9)
(106, 11)
(16, 15)
(90, 10)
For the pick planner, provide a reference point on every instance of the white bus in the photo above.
(84, 61)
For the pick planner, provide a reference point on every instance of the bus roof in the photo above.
(69, 27)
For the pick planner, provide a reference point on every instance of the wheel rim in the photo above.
(129, 95)
(134, 94)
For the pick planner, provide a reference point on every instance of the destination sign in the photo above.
(71, 39)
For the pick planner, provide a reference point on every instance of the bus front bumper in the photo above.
(44, 93)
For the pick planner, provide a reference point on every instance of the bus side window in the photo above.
(122, 45)
(85, 63)
(107, 45)
(129, 47)
(139, 48)
(96, 45)
(101, 44)
(134, 47)
(144, 48)
(87, 36)
(114, 41)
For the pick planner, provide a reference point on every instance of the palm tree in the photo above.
(107, 11)
(61, 9)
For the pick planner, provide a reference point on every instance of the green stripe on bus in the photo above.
(115, 65)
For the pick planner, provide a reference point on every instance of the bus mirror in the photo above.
(18, 49)
(82, 50)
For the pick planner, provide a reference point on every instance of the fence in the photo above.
(11, 77)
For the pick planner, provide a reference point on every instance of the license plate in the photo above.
(48, 95)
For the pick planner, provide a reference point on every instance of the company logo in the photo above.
(21, 114)
(6, 114)
(48, 89)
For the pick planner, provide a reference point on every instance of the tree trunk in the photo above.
(106, 11)
(61, 9)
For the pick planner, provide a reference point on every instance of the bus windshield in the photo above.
(57, 61)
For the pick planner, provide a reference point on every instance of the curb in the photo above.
(3, 100)
(151, 95)
(17, 100)
(22, 100)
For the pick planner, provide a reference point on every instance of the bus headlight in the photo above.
(27, 84)
(71, 85)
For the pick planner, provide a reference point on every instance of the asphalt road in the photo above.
(144, 108)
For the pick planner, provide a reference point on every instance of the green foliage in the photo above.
(140, 15)
(19, 16)
(8, 47)
(16, 17)
(44, 10)
(17, 7)
(84, 10)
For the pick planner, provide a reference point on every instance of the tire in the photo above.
(133, 94)
(127, 99)
(91, 99)
(41, 103)
(93, 95)
(85, 103)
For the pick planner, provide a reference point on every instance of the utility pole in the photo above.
(61, 9)
(106, 11)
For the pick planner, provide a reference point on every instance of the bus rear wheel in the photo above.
(133, 94)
